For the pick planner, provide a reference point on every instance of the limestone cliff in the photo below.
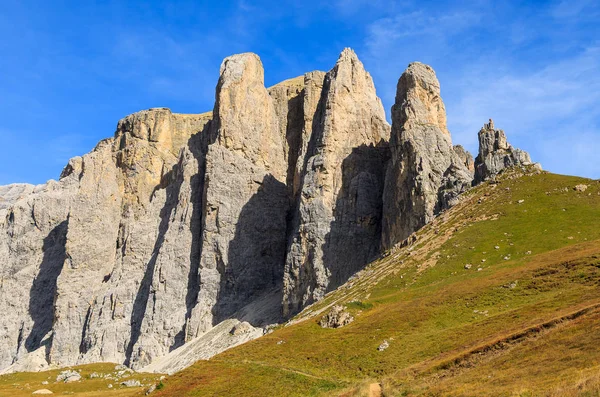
(336, 228)
(425, 174)
(184, 235)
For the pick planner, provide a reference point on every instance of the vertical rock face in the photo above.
(495, 153)
(425, 173)
(336, 228)
(465, 157)
(32, 253)
(245, 195)
(94, 245)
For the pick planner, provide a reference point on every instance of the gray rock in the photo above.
(496, 154)
(426, 173)
(337, 217)
(384, 345)
(185, 235)
(241, 328)
(68, 376)
(10, 194)
(131, 383)
(337, 317)
(42, 391)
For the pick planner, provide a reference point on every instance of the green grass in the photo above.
(24, 384)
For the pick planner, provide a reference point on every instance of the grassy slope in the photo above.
(24, 384)
(451, 330)
(434, 312)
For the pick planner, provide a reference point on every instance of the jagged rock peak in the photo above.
(337, 226)
(244, 114)
(496, 154)
(240, 67)
(426, 173)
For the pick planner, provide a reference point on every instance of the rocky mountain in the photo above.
(184, 235)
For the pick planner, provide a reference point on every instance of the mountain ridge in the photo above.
(180, 222)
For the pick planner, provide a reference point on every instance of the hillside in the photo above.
(525, 324)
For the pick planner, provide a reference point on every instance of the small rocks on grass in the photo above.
(120, 367)
(95, 375)
(497, 247)
(281, 342)
(336, 318)
(151, 389)
(110, 386)
(580, 188)
(384, 345)
(528, 253)
(468, 266)
(68, 376)
(512, 285)
(131, 383)
(42, 391)
(521, 201)
(45, 382)
(507, 257)
(479, 269)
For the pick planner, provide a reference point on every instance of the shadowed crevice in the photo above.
(197, 145)
(256, 253)
(354, 237)
(145, 289)
(43, 289)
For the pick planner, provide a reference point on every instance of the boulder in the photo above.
(131, 383)
(336, 318)
(68, 376)
(241, 328)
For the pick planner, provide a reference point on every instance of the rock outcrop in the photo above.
(337, 223)
(184, 235)
(496, 154)
(10, 194)
(336, 318)
(425, 174)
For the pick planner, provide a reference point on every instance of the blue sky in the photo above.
(69, 72)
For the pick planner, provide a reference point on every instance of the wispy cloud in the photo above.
(418, 23)
(524, 72)
(559, 99)
(569, 9)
